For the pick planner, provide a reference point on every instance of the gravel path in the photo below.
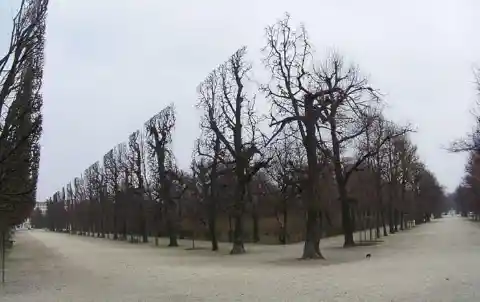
(433, 262)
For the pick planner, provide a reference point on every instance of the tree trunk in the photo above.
(256, 236)
(124, 230)
(238, 211)
(347, 221)
(157, 217)
(369, 224)
(115, 234)
(401, 221)
(212, 228)
(311, 249)
(172, 231)
(2, 251)
(144, 231)
(230, 229)
(377, 225)
(384, 223)
(396, 219)
(391, 220)
(238, 247)
(285, 220)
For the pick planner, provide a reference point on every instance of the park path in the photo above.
(438, 261)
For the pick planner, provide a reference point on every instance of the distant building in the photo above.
(42, 205)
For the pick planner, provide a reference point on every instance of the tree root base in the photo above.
(312, 257)
(237, 249)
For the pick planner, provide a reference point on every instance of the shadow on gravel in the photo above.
(197, 249)
(329, 260)
(368, 243)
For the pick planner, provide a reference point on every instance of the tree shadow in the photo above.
(199, 248)
(358, 244)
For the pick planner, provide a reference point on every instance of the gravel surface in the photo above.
(433, 262)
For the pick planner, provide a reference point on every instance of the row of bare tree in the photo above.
(324, 159)
(21, 72)
(467, 195)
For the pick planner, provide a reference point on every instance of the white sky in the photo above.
(112, 64)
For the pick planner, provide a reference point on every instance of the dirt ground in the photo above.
(433, 262)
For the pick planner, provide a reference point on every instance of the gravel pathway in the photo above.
(433, 262)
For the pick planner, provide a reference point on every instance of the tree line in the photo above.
(324, 160)
(21, 72)
(466, 196)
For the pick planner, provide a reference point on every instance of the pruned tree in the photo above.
(332, 105)
(298, 98)
(429, 197)
(466, 194)
(136, 158)
(37, 220)
(80, 204)
(159, 131)
(230, 114)
(374, 140)
(408, 160)
(21, 72)
(101, 197)
(90, 189)
(125, 185)
(295, 99)
(206, 173)
(209, 152)
(286, 172)
(351, 111)
(112, 182)
(70, 207)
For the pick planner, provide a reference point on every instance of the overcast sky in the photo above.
(112, 64)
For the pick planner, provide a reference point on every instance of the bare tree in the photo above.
(231, 116)
(70, 207)
(159, 130)
(351, 112)
(471, 142)
(137, 159)
(206, 173)
(112, 178)
(374, 140)
(125, 184)
(98, 178)
(331, 105)
(297, 98)
(408, 159)
(21, 72)
(208, 149)
(286, 170)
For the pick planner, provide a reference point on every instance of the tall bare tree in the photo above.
(112, 178)
(137, 194)
(374, 140)
(286, 170)
(351, 112)
(21, 72)
(332, 105)
(159, 131)
(231, 116)
(298, 97)
(206, 173)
